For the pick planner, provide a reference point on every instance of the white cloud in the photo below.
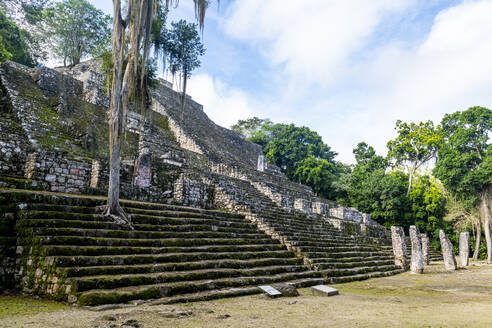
(335, 74)
(313, 38)
(223, 104)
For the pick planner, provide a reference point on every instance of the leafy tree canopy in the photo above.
(255, 129)
(14, 42)
(464, 162)
(75, 29)
(290, 145)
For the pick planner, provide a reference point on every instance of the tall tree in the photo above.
(464, 161)
(138, 21)
(255, 129)
(75, 29)
(291, 144)
(183, 48)
(14, 44)
(415, 144)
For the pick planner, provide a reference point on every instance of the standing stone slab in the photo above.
(447, 252)
(464, 248)
(417, 261)
(399, 247)
(425, 248)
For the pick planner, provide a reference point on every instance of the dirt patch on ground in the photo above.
(435, 299)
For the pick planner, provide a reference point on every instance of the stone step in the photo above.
(73, 250)
(58, 199)
(81, 284)
(136, 219)
(344, 265)
(331, 273)
(176, 266)
(339, 249)
(314, 255)
(125, 294)
(169, 242)
(350, 259)
(229, 292)
(186, 233)
(363, 276)
(81, 224)
(134, 259)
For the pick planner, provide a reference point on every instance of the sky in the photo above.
(347, 69)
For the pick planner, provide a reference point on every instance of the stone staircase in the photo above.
(70, 252)
(339, 257)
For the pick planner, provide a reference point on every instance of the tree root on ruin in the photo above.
(120, 217)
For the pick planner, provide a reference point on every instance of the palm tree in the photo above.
(138, 22)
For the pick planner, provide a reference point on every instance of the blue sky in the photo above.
(347, 69)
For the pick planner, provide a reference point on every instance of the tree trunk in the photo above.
(477, 240)
(116, 115)
(183, 96)
(410, 177)
(486, 223)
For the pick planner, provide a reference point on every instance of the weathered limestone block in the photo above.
(425, 248)
(399, 247)
(302, 205)
(321, 208)
(447, 252)
(464, 248)
(417, 261)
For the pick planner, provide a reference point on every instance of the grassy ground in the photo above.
(435, 299)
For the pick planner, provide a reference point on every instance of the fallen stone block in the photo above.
(323, 290)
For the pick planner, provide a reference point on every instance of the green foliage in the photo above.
(13, 44)
(182, 47)
(416, 143)
(255, 129)
(290, 145)
(319, 174)
(75, 29)
(464, 162)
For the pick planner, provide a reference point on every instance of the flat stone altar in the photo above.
(323, 290)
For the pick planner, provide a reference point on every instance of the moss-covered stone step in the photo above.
(186, 233)
(358, 259)
(33, 196)
(102, 260)
(115, 281)
(342, 265)
(53, 250)
(136, 219)
(229, 292)
(170, 242)
(314, 255)
(332, 242)
(338, 249)
(177, 266)
(339, 272)
(363, 276)
(125, 294)
(185, 212)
